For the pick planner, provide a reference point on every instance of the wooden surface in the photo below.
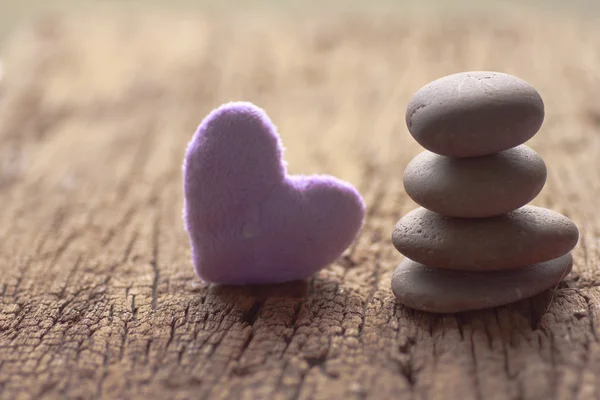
(98, 295)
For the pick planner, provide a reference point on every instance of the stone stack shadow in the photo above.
(475, 243)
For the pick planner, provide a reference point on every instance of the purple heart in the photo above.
(248, 221)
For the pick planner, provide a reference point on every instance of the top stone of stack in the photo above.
(473, 114)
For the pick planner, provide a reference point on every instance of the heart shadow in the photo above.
(294, 289)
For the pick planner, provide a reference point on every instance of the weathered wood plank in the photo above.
(99, 299)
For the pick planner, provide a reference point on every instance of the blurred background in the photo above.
(338, 56)
(14, 12)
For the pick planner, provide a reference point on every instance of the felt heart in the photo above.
(248, 221)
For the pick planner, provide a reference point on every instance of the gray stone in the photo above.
(441, 291)
(474, 114)
(526, 236)
(475, 187)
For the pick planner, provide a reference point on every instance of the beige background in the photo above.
(15, 12)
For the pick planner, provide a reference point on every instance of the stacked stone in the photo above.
(474, 243)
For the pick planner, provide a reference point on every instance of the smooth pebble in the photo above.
(526, 236)
(441, 291)
(475, 187)
(473, 114)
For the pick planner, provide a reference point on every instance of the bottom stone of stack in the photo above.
(443, 291)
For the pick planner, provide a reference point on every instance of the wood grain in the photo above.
(98, 295)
